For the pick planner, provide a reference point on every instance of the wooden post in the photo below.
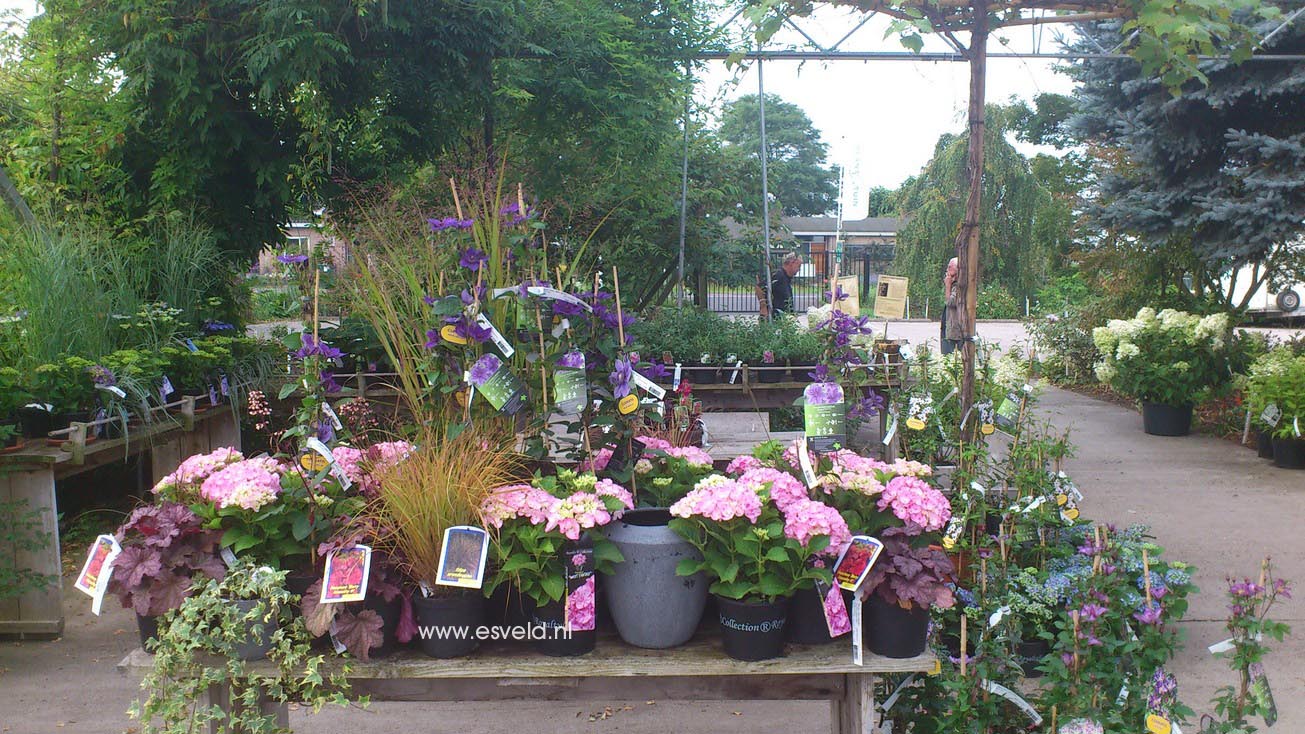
(967, 240)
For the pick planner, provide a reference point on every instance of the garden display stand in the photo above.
(30, 475)
(698, 671)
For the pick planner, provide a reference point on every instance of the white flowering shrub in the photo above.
(1171, 357)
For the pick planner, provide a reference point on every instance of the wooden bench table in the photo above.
(615, 671)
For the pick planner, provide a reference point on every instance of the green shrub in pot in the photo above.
(67, 385)
(1278, 379)
(13, 395)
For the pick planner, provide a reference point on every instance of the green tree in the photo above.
(882, 202)
(798, 175)
(1026, 229)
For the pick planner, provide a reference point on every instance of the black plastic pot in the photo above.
(508, 608)
(752, 630)
(1289, 453)
(806, 619)
(1166, 420)
(148, 627)
(892, 631)
(1029, 655)
(708, 375)
(1264, 444)
(771, 375)
(800, 372)
(36, 423)
(255, 646)
(550, 636)
(456, 616)
(389, 612)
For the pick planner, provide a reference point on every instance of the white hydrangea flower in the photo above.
(1105, 372)
(1127, 350)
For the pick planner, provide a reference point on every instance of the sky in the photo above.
(881, 119)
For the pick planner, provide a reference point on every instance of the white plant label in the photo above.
(495, 336)
(648, 386)
(94, 578)
(892, 429)
(112, 389)
(330, 413)
(228, 558)
(858, 653)
(1272, 414)
(1016, 699)
(738, 365)
(675, 381)
(804, 460)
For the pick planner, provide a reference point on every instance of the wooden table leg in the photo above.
(855, 712)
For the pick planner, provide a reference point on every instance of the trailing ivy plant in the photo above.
(197, 650)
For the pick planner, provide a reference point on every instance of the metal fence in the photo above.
(811, 286)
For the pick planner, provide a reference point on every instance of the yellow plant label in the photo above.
(1061, 499)
(937, 667)
(915, 424)
(628, 404)
(987, 429)
(313, 461)
(948, 543)
(450, 334)
(461, 397)
(1072, 513)
(1157, 724)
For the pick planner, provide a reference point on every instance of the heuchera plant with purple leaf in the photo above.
(909, 576)
(164, 547)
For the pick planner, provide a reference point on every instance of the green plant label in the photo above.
(500, 387)
(825, 426)
(570, 390)
(1262, 694)
(1008, 413)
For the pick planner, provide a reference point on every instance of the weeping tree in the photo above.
(1166, 37)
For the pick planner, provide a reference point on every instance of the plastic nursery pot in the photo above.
(706, 375)
(892, 631)
(447, 624)
(389, 612)
(752, 630)
(254, 646)
(1166, 420)
(1029, 655)
(148, 627)
(551, 637)
(806, 619)
(651, 606)
(777, 374)
(1264, 444)
(37, 423)
(1289, 453)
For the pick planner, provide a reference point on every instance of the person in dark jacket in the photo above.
(951, 316)
(781, 283)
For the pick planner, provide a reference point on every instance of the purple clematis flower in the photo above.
(574, 359)
(819, 374)
(620, 378)
(315, 348)
(439, 225)
(473, 259)
(655, 371)
(484, 368)
(292, 259)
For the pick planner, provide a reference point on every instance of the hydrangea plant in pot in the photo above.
(550, 546)
(759, 535)
(902, 586)
(165, 549)
(205, 649)
(652, 606)
(1166, 360)
(1277, 389)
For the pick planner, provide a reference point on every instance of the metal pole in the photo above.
(765, 186)
(684, 191)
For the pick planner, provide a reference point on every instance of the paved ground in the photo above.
(1209, 502)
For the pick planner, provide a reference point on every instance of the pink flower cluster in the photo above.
(743, 463)
(248, 484)
(602, 457)
(362, 466)
(608, 488)
(575, 514)
(388, 453)
(780, 487)
(806, 519)
(350, 460)
(194, 470)
(691, 454)
(791, 456)
(580, 607)
(721, 499)
(516, 500)
(914, 501)
(570, 516)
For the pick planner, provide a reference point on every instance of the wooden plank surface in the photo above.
(36, 612)
(702, 657)
(677, 688)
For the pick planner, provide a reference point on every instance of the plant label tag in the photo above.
(462, 557)
(337, 471)
(648, 386)
(855, 562)
(502, 389)
(675, 381)
(831, 600)
(212, 395)
(191, 345)
(579, 597)
(1221, 647)
(627, 404)
(1015, 698)
(543, 291)
(346, 575)
(1271, 415)
(94, 578)
(167, 388)
(1295, 425)
(228, 557)
(338, 646)
(1262, 694)
(224, 386)
(995, 618)
(424, 588)
(1008, 412)
(955, 527)
(449, 333)
(738, 365)
(804, 460)
(858, 653)
(113, 389)
(496, 336)
(824, 416)
(570, 390)
(330, 413)
(1157, 724)
(892, 429)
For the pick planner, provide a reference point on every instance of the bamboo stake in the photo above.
(317, 294)
(964, 640)
(543, 372)
(1146, 576)
(457, 203)
(620, 321)
(1074, 616)
(1053, 719)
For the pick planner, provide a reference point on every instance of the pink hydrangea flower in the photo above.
(517, 500)
(806, 519)
(248, 484)
(693, 455)
(791, 456)
(350, 460)
(387, 454)
(914, 501)
(780, 487)
(577, 513)
(608, 488)
(902, 467)
(741, 464)
(195, 469)
(602, 457)
(719, 498)
(652, 443)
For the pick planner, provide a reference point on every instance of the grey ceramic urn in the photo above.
(653, 607)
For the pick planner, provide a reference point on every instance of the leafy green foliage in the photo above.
(797, 173)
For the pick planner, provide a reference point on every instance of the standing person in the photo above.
(781, 283)
(950, 336)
